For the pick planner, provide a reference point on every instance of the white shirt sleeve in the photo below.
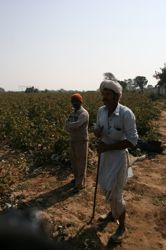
(130, 129)
(82, 118)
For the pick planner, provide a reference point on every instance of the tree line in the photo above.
(139, 82)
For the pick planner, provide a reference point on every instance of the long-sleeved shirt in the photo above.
(77, 125)
(119, 126)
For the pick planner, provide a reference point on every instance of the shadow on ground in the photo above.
(85, 239)
(50, 198)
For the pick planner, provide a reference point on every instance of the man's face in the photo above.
(76, 104)
(109, 98)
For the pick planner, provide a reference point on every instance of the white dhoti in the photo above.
(113, 177)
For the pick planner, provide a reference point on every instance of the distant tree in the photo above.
(161, 76)
(31, 90)
(2, 90)
(61, 90)
(123, 84)
(126, 84)
(141, 82)
(129, 84)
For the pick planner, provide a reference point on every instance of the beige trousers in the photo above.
(79, 154)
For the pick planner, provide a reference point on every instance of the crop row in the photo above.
(34, 122)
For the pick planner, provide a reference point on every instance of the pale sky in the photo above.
(69, 44)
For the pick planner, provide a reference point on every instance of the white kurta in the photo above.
(118, 127)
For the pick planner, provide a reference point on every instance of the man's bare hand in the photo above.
(102, 147)
(98, 132)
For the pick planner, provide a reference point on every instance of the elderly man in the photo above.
(77, 126)
(116, 128)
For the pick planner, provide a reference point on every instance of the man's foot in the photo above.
(103, 221)
(107, 217)
(118, 235)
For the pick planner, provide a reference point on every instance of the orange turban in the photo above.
(77, 97)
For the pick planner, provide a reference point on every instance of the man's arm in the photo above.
(103, 147)
(77, 124)
(98, 129)
(130, 133)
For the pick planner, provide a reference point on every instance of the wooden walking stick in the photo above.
(95, 193)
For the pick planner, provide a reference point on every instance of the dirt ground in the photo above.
(49, 189)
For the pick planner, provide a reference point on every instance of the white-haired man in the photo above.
(116, 128)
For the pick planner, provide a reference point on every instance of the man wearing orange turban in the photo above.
(77, 126)
(77, 97)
